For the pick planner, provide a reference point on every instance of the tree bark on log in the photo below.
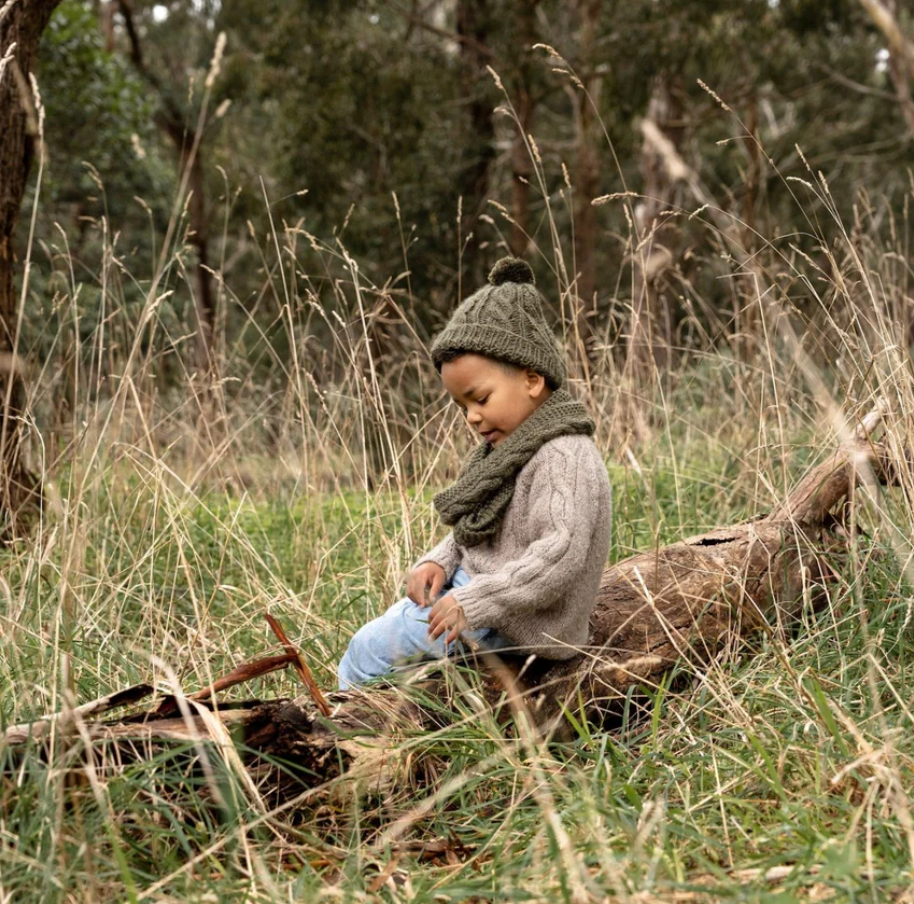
(682, 603)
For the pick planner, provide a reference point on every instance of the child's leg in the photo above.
(399, 634)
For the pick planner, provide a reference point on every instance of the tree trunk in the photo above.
(171, 119)
(587, 179)
(473, 20)
(21, 24)
(204, 300)
(525, 107)
(521, 173)
(648, 348)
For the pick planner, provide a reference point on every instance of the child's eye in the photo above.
(483, 400)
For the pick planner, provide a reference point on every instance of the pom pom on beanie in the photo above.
(512, 269)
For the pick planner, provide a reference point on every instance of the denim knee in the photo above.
(400, 634)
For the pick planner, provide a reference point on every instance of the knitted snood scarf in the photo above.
(475, 505)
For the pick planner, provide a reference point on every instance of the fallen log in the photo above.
(680, 603)
(686, 601)
(39, 728)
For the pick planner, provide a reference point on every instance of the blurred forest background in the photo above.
(206, 202)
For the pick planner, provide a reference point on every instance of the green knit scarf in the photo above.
(475, 505)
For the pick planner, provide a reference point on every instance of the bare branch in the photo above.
(170, 118)
(884, 19)
(418, 21)
(901, 55)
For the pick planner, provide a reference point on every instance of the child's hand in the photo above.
(426, 577)
(446, 615)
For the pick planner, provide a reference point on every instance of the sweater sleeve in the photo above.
(562, 518)
(446, 554)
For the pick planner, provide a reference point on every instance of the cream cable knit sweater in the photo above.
(536, 580)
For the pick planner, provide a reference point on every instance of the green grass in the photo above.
(795, 754)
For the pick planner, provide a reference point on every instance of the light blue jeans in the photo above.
(401, 634)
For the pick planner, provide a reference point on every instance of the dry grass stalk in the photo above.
(682, 603)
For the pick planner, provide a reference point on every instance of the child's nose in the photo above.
(474, 417)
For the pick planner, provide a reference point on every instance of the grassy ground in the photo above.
(780, 774)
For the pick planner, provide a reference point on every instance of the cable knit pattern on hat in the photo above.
(504, 320)
(535, 581)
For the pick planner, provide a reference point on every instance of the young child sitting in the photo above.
(530, 511)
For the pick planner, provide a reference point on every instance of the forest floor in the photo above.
(780, 774)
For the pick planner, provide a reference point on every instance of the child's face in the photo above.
(496, 400)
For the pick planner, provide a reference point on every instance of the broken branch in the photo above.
(300, 666)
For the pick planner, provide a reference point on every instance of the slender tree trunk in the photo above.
(884, 14)
(901, 70)
(473, 21)
(204, 301)
(171, 119)
(747, 318)
(587, 177)
(21, 26)
(649, 347)
(525, 105)
(521, 173)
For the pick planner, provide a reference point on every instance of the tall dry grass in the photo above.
(296, 477)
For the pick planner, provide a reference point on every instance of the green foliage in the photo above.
(105, 186)
(335, 108)
(355, 114)
(98, 115)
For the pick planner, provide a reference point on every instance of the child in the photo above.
(530, 510)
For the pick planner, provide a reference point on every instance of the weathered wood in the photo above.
(39, 728)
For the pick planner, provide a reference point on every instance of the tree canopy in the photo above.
(426, 139)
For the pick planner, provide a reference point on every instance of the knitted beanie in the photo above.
(504, 320)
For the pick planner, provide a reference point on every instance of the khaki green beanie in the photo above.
(504, 320)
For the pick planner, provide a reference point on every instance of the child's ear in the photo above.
(536, 384)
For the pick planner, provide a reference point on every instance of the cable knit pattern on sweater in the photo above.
(536, 580)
